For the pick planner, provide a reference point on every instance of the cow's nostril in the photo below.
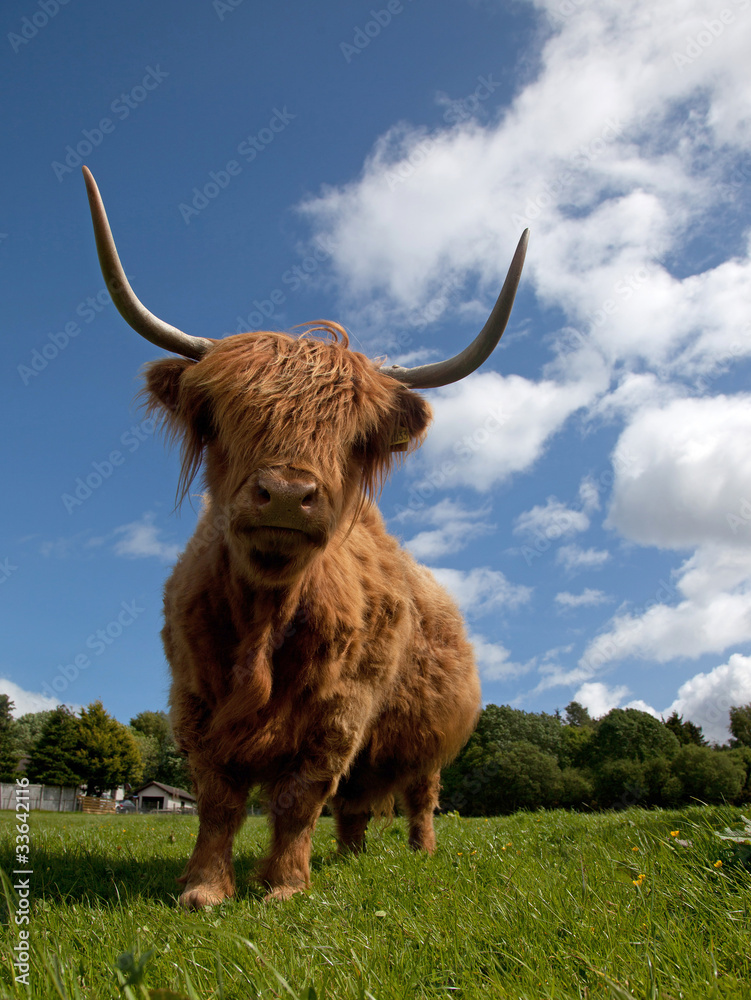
(263, 495)
(309, 499)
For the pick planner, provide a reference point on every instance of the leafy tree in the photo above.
(54, 758)
(577, 788)
(154, 724)
(107, 752)
(628, 734)
(663, 787)
(620, 783)
(686, 732)
(466, 782)
(501, 725)
(528, 778)
(8, 751)
(150, 754)
(576, 743)
(173, 767)
(709, 775)
(740, 725)
(169, 767)
(742, 755)
(578, 715)
(27, 730)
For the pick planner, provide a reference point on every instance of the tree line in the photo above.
(514, 759)
(529, 760)
(60, 747)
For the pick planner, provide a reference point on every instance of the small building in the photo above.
(156, 797)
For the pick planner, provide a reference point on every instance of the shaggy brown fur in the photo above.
(309, 653)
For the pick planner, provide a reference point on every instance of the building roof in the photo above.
(177, 793)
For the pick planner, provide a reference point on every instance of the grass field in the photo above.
(538, 905)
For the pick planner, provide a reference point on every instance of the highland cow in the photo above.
(309, 653)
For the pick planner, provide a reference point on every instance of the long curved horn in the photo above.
(463, 364)
(128, 305)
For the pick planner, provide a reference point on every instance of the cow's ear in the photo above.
(184, 410)
(163, 382)
(412, 419)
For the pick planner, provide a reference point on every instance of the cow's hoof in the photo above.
(200, 897)
(282, 892)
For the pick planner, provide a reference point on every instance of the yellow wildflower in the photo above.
(674, 833)
(638, 881)
(634, 848)
(718, 864)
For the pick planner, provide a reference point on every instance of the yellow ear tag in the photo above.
(400, 440)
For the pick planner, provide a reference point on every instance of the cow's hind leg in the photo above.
(420, 799)
(351, 822)
(209, 876)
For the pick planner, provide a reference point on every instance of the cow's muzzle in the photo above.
(287, 501)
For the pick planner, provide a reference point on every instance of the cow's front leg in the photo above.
(294, 808)
(209, 876)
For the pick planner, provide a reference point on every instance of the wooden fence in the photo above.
(89, 804)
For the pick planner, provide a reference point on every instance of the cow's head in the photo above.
(294, 433)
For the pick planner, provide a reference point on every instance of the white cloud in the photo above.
(587, 598)
(683, 474)
(599, 698)
(714, 614)
(600, 154)
(488, 427)
(618, 153)
(455, 527)
(554, 520)
(683, 480)
(642, 706)
(140, 540)
(573, 558)
(493, 660)
(30, 701)
(481, 590)
(706, 699)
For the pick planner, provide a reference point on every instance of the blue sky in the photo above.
(586, 495)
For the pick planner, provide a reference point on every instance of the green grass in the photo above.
(534, 906)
